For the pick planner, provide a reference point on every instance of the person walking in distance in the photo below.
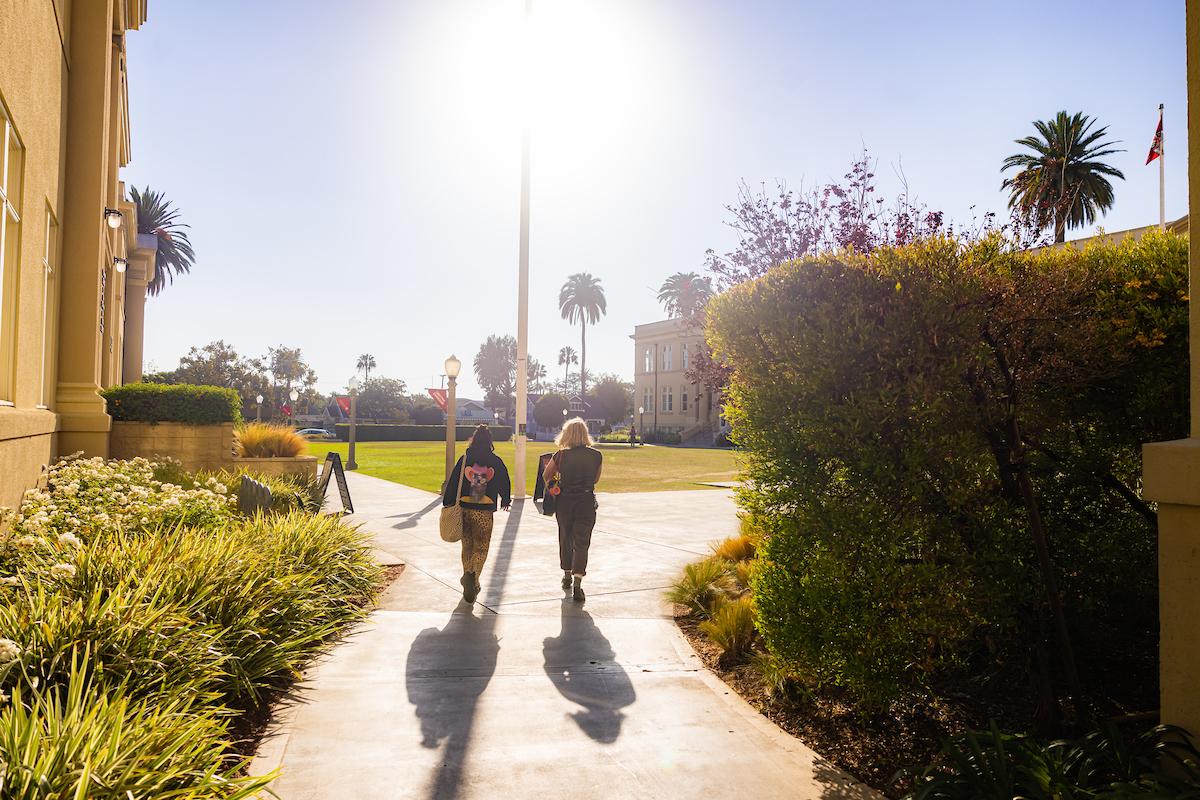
(485, 484)
(632, 436)
(578, 465)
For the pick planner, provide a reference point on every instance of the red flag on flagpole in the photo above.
(440, 396)
(1156, 147)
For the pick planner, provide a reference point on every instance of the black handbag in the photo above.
(553, 489)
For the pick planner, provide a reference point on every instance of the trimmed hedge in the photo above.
(177, 402)
(414, 433)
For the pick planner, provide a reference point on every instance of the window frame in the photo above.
(11, 174)
(49, 279)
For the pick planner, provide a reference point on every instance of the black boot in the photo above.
(577, 591)
(470, 586)
(566, 581)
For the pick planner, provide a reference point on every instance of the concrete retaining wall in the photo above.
(196, 447)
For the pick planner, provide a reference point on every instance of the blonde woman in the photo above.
(578, 464)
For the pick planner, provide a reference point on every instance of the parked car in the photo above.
(316, 434)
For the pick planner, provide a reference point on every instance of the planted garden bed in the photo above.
(144, 625)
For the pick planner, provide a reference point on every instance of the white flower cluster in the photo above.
(84, 496)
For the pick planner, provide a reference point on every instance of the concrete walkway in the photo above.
(526, 694)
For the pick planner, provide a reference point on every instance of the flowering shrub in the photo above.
(85, 495)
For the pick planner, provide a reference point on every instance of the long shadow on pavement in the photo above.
(448, 669)
(581, 664)
(413, 518)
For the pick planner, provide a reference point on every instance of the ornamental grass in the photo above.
(260, 440)
(159, 597)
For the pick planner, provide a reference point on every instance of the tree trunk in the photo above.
(1060, 228)
(582, 358)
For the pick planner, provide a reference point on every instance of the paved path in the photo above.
(525, 694)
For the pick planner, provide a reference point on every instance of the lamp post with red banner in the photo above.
(453, 365)
(352, 385)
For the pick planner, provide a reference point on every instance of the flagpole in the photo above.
(1162, 176)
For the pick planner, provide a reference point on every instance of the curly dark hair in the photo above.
(481, 438)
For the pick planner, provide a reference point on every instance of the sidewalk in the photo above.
(526, 694)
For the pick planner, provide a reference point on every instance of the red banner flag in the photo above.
(287, 410)
(344, 405)
(440, 396)
(1156, 147)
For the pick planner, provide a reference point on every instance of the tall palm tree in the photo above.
(174, 254)
(535, 371)
(366, 363)
(581, 299)
(566, 357)
(1061, 180)
(685, 293)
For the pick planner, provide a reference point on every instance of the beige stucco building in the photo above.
(72, 288)
(667, 401)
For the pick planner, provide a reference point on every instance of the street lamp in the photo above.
(352, 385)
(453, 365)
(258, 411)
(642, 423)
(294, 395)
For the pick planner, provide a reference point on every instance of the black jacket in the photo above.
(485, 483)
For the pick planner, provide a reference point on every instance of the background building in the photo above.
(70, 319)
(663, 352)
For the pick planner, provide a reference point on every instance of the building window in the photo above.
(49, 259)
(668, 399)
(667, 358)
(686, 359)
(10, 221)
(647, 361)
(683, 396)
(647, 398)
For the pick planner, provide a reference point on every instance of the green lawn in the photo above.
(626, 469)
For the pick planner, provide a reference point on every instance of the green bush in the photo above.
(157, 402)
(1107, 764)
(415, 433)
(660, 437)
(893, 409)
(703, 586)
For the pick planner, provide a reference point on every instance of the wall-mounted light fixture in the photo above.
(113, 218)
(119, 264)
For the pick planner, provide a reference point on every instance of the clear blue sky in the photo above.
(350, 170)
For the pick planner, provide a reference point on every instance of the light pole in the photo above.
(642, 423)
(294, 395)
(523, 278)
(258, 411)
(352, 385)
(453, 365)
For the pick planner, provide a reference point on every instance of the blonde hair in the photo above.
(574, 433)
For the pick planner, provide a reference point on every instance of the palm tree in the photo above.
(174, 254)
(566, 357)
(366, 363)
(1062, 180)
(535, 371)
(685, 293)
(581, 299)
